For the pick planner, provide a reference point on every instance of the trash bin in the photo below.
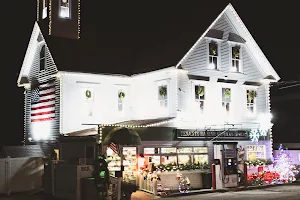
(206, 180)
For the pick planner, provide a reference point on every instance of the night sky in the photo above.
(131, 37)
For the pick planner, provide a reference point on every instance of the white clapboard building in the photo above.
(221, 84)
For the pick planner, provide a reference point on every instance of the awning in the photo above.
(122, 136)
(214, 33)
(235, 38)
(145, 122)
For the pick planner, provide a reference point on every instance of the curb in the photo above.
(229, 189)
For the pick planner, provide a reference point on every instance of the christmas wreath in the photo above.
(121, 95)
(227, 93)
(251, 94)
(200, 91)
(163, 91)
(88, 94)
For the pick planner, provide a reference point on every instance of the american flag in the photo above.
(115, 148)
(43, 102)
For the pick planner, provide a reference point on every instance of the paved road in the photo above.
(283, 192)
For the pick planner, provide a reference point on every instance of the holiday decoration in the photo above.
(183, 183)
(200, 91)
(241, 153)
(88, 94)
(251, 94)
(227, 93)
(284, 167)
(255, 134)
(163, 91)
(236, 52)
(259, 162)
(263, 178)
(121, 95)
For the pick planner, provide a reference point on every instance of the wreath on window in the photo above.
(227, 93)
(121, 95)
(200, 91)
(251, 94)
(163, 91)
(88, 94)
(236, 52)
(213, 49)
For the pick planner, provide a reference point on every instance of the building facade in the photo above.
(218, 91)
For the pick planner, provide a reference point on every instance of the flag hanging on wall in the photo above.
(115, 148)
(43, 103)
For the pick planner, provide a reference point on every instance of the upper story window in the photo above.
(213, 55)
(226, 99)
(236, 59)
(42, 58)
(65, 9)
(163, 96)
(121, 96)
(251, 102)
(200, 96)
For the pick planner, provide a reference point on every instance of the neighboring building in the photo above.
(219, 90)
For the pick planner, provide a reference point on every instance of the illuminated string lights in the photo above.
(140, 126)
(78, 20)
(50, 18)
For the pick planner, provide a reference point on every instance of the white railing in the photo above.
(147, 185)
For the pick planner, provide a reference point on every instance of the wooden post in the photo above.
(213, 178)
(245, 175)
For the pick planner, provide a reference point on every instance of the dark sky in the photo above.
(122, 36)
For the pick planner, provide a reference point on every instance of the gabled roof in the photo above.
(29, 56)
(261, 59)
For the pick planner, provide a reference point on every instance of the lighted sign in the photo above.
(211, 134)
(256, 152)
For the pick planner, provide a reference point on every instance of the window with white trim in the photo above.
(236, 59)
(163, 96)
(65, 9)
(251, 101)
(226, 99)
(200, 97)
(42, 58)
(121, 96)
(213, 55)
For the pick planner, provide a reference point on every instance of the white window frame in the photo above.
(65, 11)
(209, 65)
(224, 103)
(234, 68)
(249, 104)
(198, 100)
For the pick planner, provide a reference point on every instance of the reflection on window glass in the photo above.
(200, 149)
(64, 9)
(168, 150)
(168, 159)
(184, 159)
(200, 158)
(185, 150)
(151, 151)
(153, 159)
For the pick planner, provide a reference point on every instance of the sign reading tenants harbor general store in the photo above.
(190, 134)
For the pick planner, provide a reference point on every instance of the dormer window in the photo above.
(213, 55)
(64, 9)
(236, 61)
(42, 58)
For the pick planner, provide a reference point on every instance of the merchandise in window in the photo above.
(168, 160)
(201, 158)
(200, 150)
(168, 150)
(184, 159)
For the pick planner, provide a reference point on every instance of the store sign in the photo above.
(190, 134)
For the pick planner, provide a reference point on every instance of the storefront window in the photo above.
(200, 149)
(185, 150)
(151, 150)
(168, 159)
(168, 150)
(184, 159)
(200, 158)
(154, 159)
(129, 163)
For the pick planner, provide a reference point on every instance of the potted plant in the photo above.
(236, 52)
(227, 93)
(200, 91)
(251, 95)
(163, 91)
(121, 95)
(127, 189)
